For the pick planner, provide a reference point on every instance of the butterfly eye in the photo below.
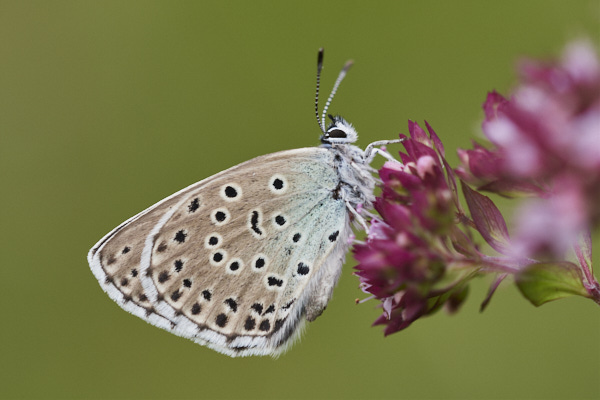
(337, 133)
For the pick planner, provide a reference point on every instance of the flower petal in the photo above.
(487, 219)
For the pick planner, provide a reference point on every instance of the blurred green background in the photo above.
(108, 106)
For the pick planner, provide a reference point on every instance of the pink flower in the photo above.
(546, 141)
(422, 253)
(408, 261)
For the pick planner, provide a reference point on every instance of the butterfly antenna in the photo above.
(319, 68)
(339, 80)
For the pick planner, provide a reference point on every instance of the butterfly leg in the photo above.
(371, 150)
(358, 217)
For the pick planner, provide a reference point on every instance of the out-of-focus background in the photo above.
(106, 107)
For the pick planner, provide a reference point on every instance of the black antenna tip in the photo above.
(320, 59)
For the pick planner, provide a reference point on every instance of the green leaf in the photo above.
(544, 282)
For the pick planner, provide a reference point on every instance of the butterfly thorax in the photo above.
(356, 176)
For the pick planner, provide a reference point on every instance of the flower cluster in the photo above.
(422, 252)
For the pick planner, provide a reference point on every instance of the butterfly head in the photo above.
(339, 131)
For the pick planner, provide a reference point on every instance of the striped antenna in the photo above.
(319, 68)
(339, 80)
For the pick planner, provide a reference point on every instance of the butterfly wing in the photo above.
(237, 261)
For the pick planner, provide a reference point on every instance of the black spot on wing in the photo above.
(232, 304)
(178, 264)
(221, 320)
(289, 304)
(333, 237)
(194, 205)
(249, 324)
(163, 277)
(180, 236)
(254, 221)
(278, 184)
(231, 192)
(265, 325)
(273, 281)
(269, 309)
(257, 307)
(175, 295)
(260, 262)
(196, 309)
(303, 269)
(161, 247)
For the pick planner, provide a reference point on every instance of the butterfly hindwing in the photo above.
(234, 261)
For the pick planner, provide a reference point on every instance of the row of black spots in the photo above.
(231, 192)
(113, 259)
(258, 308)
(197, 307)
(250, 324)
(164, 276)
(220, 216)
(176, 295)
(194, 205)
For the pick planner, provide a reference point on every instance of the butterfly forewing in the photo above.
(226, 261)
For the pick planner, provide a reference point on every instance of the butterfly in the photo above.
(241, 260)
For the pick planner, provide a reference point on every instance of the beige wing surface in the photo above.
(236, 260)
